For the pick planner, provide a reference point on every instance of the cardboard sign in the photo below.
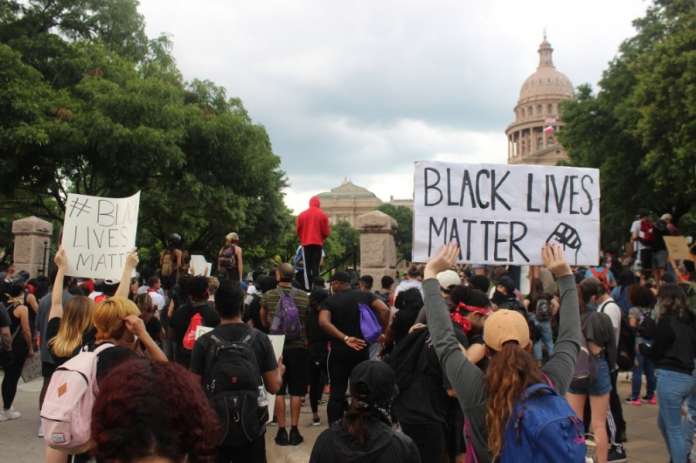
(678, 248)
(277, 341)
(98, 234)
(503, 214)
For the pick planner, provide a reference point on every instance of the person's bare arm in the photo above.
(22, 312)
(382, 312)
(61, 261)
(33, 303)
(330, 329)
(263, 316)
(124, 284)
(135, 325)
(179, 257)
(240, 262)
(274, 379)
(475, 353)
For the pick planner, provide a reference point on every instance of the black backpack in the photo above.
(232, 383)
(228, 258)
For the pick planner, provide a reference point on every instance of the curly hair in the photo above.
(671, 300)
(148, 409)
(509, 373)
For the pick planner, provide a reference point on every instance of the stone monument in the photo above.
(377, 247)
(32, 242)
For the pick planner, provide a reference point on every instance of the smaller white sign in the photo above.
(199, 266)
(98, 234)
(277, 341)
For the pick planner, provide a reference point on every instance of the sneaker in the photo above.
(2, 416)
(635, 402)
(316, 421)
(11, 414)
(652, 400)
(295, 437)
(282, 437)
(616, 453)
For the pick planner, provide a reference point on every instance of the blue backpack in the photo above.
(286, 319)
(369, 325)
(543, 428)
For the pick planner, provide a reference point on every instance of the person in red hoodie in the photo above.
(312, 229)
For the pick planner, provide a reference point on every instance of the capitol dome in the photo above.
(546, 81)
(531, 137)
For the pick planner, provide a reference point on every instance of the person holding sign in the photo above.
(491, 402)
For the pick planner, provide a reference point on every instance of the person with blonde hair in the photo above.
(230, 261)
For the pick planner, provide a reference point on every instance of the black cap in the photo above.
(373, 382)
(342, 277)
(507, 283)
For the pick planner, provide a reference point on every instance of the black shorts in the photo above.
(296, 377)
(646, 259)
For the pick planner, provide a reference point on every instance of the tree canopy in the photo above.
(404, 232)
(639, 128)
(89, 104)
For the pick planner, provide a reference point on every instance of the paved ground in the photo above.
(19, 444)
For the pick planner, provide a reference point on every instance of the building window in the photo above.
(550, 109)
(538, 110)
(522, 112)
(530, 110)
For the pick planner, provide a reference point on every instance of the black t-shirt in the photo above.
(52, 331)
(180, 323)
(345, 315)
(260, 344)
(154, 329)
(4, 318)
(111, 358)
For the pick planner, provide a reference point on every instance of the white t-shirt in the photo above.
(635, 232)
(157, 299)
(613, 311)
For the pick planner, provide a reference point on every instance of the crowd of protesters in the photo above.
(452, 363)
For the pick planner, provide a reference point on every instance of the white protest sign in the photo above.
(503, 214)
(98, 234)
(199, 266)
(277, 341)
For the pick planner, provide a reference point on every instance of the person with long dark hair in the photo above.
(673, 352)
(365, 434)
(488, 399)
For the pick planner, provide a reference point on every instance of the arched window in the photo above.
(530, 110)
(550, 109)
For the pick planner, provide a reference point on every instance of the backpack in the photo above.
(168, 264)
(603, 277)
(228, 258)
(286, 319)
(408, 358)
(232, 382)
(647, 233)
(543, 428)
(369, 325)
(542, 310)
(66, 414)
(189, 339)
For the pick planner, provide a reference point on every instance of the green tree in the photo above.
(90, 105)
(404, 231)
(342, 247)
(640, 127)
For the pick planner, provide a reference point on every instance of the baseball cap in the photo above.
(341, 277)
(503, 326)
(373, 382)
(448, 278)
(507, 283)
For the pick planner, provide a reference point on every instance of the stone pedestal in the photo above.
(377, 247)
(32, 242)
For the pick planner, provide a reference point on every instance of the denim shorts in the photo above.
(600, 382)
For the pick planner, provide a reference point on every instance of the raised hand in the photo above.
(61, 259)
(132, 259)
(554, 260)
(443, 260)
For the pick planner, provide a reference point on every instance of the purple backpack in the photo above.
(369, 325)
(286, 319)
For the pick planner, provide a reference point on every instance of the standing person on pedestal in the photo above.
(312, 229)
(172, 262)
(230, 264)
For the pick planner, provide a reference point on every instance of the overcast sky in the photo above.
(362, 89)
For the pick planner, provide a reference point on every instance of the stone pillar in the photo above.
(32, 243)
(377, 247)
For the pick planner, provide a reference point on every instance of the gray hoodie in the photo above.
(469, 381)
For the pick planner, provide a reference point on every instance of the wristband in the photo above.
(345, 338)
